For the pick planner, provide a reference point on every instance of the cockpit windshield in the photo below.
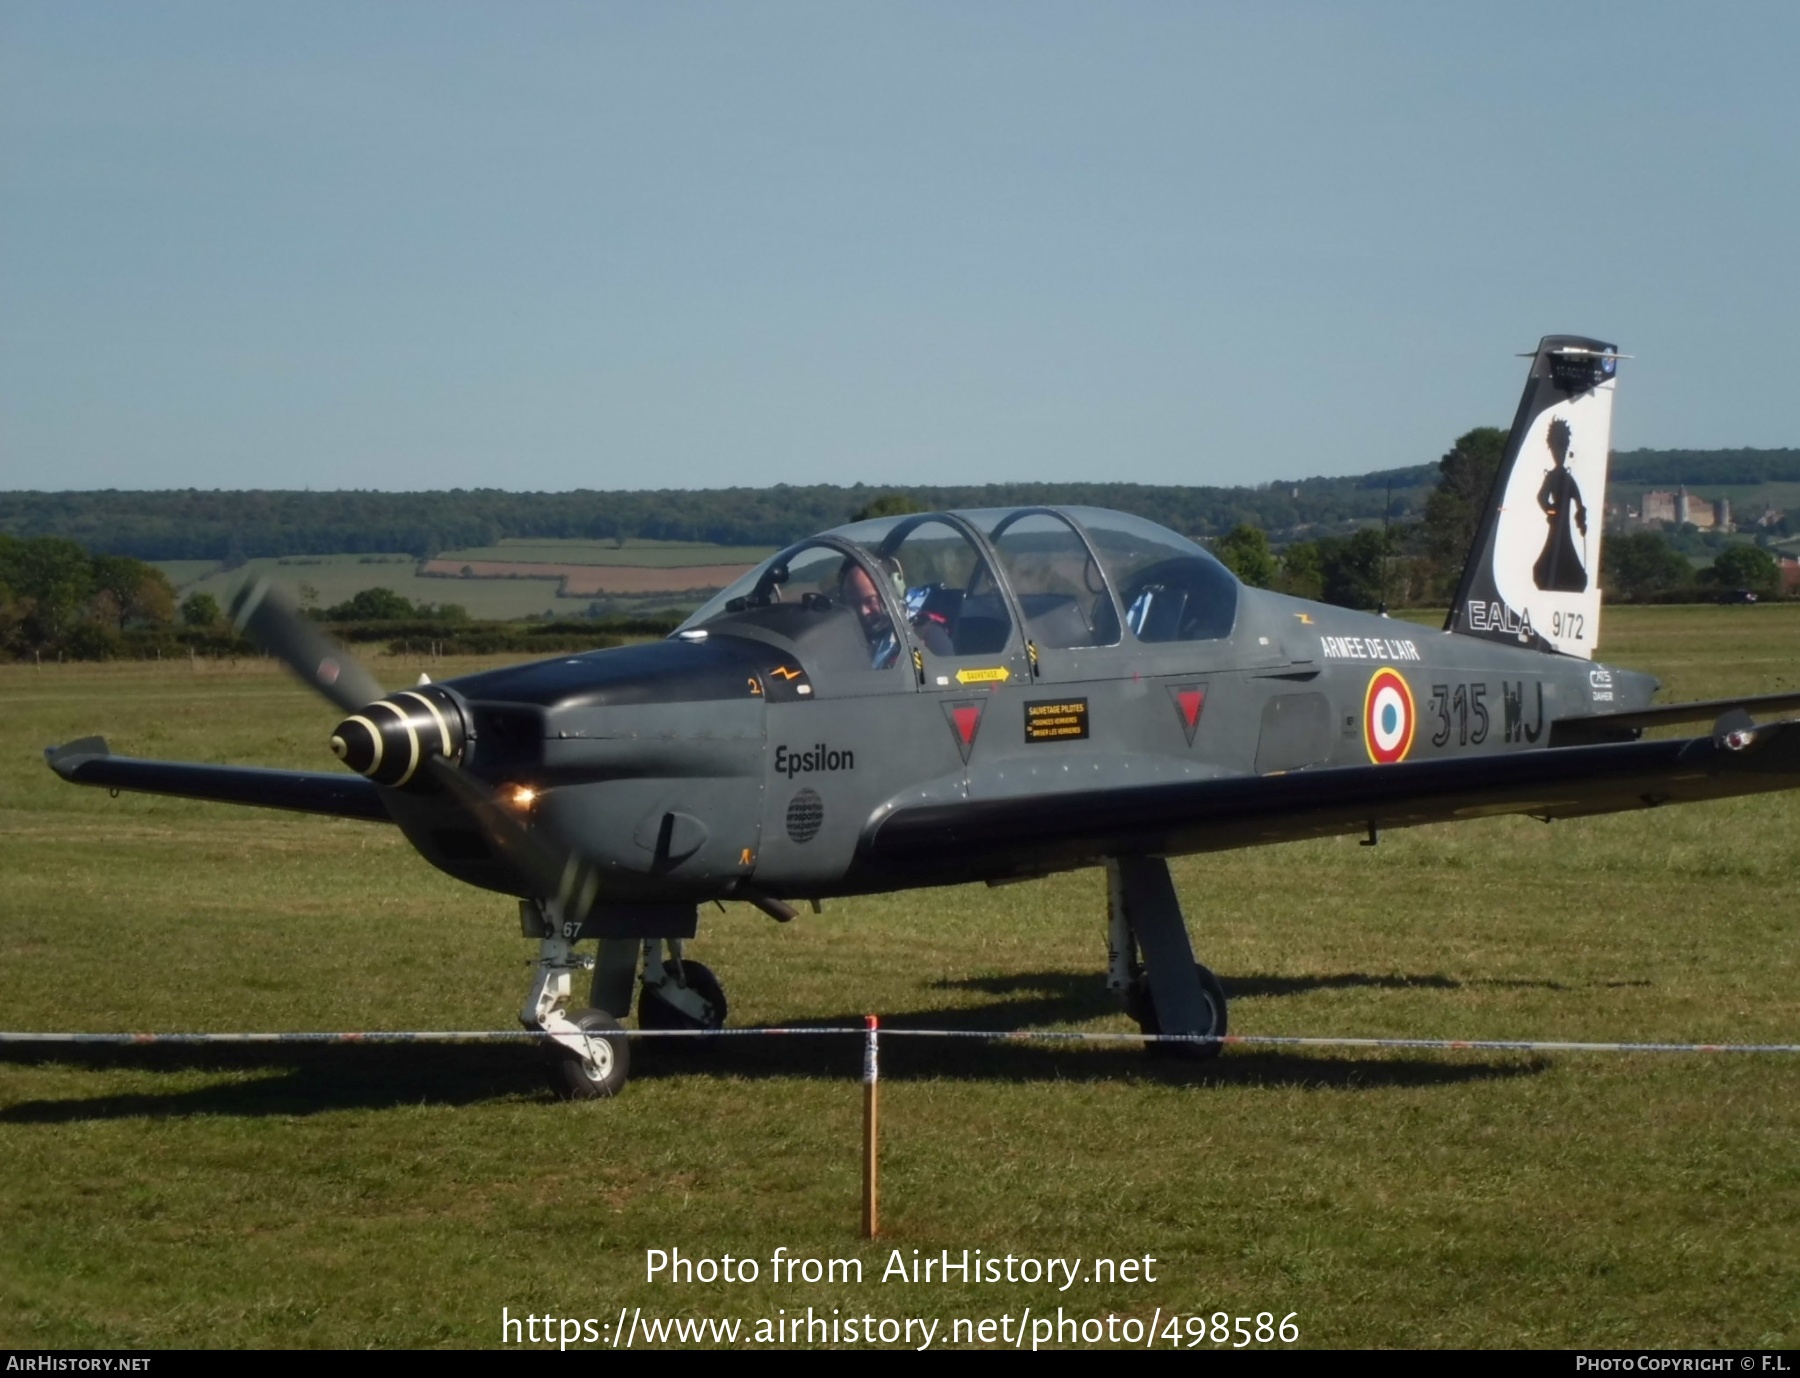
(819, 597)
(1079, 576)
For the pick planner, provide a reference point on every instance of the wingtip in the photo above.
(64, 759)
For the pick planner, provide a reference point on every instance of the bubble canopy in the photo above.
(979, 582)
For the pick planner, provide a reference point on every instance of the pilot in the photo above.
(862, 597)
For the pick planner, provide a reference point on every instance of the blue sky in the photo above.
(548, 246)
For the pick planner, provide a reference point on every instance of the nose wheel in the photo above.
(590, 1050)
(602, 1067)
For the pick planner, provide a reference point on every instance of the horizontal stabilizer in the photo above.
(1619, 727)
(89, 762)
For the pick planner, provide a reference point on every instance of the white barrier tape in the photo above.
(1505, 1045)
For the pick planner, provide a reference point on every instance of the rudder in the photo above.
(1533, 573)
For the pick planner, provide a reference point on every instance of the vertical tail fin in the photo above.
(1533, 574)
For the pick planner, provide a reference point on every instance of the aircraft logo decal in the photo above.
(1561, 568)
(964, 717)
(783, 683)
(1389, 717)
(1190, 702)
(805, 816)
(791, 761)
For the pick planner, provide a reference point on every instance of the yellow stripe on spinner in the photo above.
(412, 739)
(443, 727)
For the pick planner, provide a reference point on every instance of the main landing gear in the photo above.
(590, 1052)
(1150, 965)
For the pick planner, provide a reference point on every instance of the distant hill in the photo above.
(237, 526)
(1667, 468)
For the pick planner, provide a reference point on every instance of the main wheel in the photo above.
(654, 1012)
(605, 1075)
(1140, 1004)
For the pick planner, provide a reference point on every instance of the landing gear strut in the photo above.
(1165, 991)
(590, 1052)
(590, 1058)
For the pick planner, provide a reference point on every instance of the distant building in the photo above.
(1659, 507)
(1682, 508)
(1693, 510)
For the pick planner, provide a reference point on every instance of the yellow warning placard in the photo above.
(991, 674)
(1056, 720)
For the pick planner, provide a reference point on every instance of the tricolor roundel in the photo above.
(1388, 717)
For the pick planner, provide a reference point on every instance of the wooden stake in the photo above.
(871, 1126)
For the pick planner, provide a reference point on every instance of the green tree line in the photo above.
(237, 526)
(1418, 564)
(74, 582)
(57, 599)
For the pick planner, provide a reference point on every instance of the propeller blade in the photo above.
(554, 870)
(269, 616)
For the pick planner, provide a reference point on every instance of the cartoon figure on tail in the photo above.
(1560, 569)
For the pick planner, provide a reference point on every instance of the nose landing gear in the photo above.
(590, 1052)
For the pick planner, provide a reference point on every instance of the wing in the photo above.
(986, 839)
(89, 762)
(1623, 726)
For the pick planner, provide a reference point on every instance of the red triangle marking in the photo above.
(967, 719)
(1191, 702)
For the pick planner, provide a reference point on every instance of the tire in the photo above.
(653, 1012)
(578, 1079)
(1140, 1004)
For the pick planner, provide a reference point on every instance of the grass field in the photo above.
(338, 578)
(383, 1197)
